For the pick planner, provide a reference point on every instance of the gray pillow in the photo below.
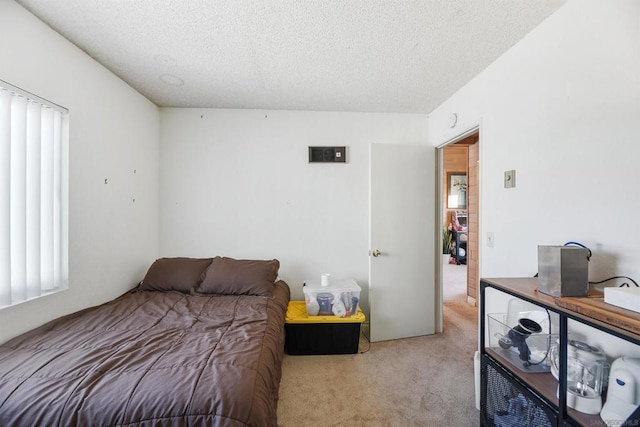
(230, 276)
(175, 274)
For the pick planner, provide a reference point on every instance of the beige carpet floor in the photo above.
(421, 381)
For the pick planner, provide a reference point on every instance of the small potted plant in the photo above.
(446, 244)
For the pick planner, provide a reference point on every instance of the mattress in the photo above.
(150, 358)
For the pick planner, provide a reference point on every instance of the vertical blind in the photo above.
(33, 224)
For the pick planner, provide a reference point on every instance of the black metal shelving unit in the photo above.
(537, 399)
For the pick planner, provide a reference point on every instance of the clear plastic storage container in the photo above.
(525, 343)
(340, 298)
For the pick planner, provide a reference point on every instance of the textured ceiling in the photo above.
(401, 56)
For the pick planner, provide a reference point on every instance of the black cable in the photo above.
(617, 277)
(625, 284)
(548, 344)
(582, 246)
(365, 337)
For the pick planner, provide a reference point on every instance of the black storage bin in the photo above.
(322, 338)
(307, 335)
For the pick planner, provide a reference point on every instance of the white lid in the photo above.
(344, 285)
(583, 351)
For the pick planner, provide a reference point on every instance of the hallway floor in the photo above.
(454, 282)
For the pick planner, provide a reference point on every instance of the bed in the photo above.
(198, 342)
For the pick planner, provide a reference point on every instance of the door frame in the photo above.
(458, 135)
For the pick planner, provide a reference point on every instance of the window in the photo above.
(33, 196)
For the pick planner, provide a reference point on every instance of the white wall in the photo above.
(113, 131)
(238, 183)
(562, 108)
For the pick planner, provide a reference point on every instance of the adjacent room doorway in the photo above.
(458, 218)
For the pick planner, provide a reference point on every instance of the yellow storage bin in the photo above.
(297, 313)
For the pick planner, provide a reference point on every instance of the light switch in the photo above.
(509, 179)
(490, 239)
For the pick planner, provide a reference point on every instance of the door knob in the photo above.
(376, 253)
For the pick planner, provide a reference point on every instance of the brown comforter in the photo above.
(149, 358)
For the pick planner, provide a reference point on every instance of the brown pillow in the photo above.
(230, 276)
(175, 274)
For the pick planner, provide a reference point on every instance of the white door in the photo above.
(401, 239)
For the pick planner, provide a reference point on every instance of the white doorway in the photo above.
(459, 218)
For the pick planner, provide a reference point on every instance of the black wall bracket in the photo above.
(327, 154)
